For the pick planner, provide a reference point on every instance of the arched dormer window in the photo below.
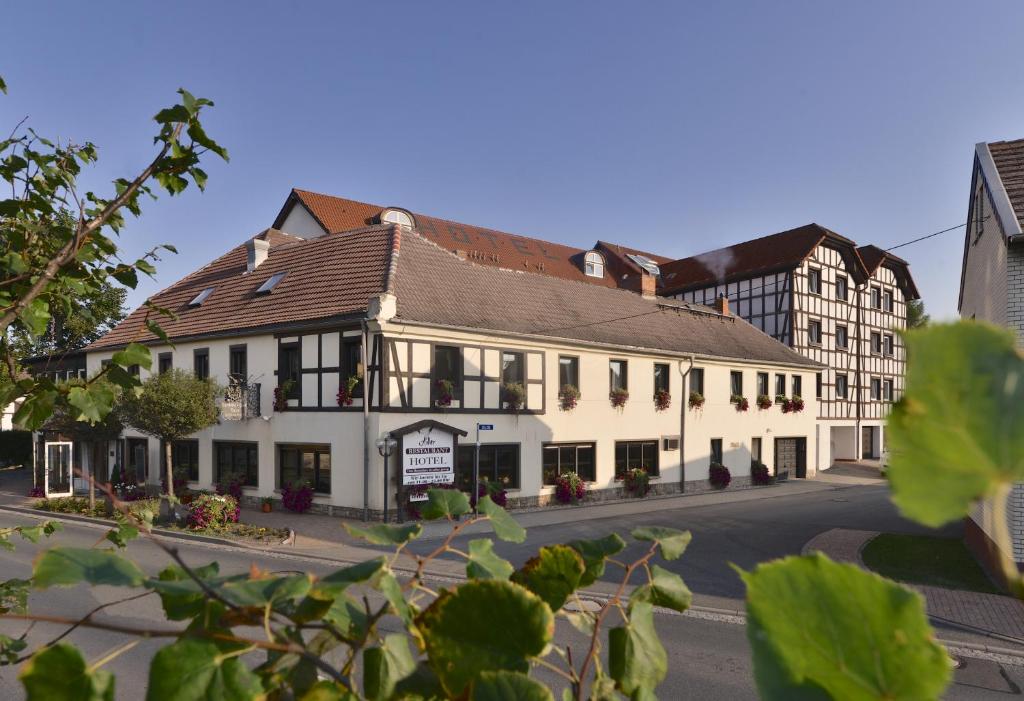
(593, 264)
(398, 216)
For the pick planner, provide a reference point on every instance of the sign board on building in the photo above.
(428, 457)
(485, 427)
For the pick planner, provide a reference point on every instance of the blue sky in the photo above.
(674, 127)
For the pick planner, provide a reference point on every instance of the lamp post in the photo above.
(385, 446)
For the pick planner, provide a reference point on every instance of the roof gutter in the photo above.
(1000, 198)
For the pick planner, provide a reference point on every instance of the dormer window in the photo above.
(271, 283)
(201, 297)
(398, 216)
(593, 264)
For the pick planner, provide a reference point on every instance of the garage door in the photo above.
(791, 456)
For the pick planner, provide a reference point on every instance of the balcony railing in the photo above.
(241, 401)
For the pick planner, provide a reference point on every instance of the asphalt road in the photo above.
(708, 657)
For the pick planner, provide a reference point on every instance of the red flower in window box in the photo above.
(618, 397)
(347, 393)
(742, 404)
(764, 401)
(662, 400)
(568, 397)
(696, 400)
(445, 393)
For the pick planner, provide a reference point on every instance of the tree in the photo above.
(916, 316)
(170, 406)
(50, 262)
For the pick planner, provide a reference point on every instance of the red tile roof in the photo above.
(874, 257)
(1009, 159)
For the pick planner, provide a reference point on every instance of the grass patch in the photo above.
(940, 562)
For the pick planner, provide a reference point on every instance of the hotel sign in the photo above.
(428, 457)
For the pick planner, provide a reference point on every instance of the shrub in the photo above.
(719, 476)
(498, 495)
(662, 400)
(618, 397)
(568, 397)
(37, 492)
(569, 488)
(764, 401)
(742, 404)
(231, 485)
(412, 508)
(445, 393)
(513, 394)
(281, 395)
(297, 497)
(129, 492)
(637, 482)
(212, 511)
(696, 400)
(759, 473)
(69, 505)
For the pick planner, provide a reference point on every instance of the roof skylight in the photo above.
(201, 297)
(645, 263)
(271, 283)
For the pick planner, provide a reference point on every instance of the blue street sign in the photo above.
(485, 427)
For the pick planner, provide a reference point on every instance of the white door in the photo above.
(57, 475)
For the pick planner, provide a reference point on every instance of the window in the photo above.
(716, 451)
(661, 377)
(842, 288)
(814, 332)
(798, 386)
(876, 343)
(814, 281)
(201, 363)
(309, 464)
(289, 370)
(164, 362)
(184, 459)
(630, 454)
(397, 216)
(447, 367)
(887, 390)
(618, 374)
(238, 364)
(780, 385)
(568, 371)
(842, 337)
(511, 368)
(137, 459)
(887, 344)
(593, 264)
(762, 383)
(755, 449)
(736, 383)
(133, 370)
(817, 385)
(352, 364)
(568, 457)
(876, 297)
(499, 465)
(236, 462)
(270, 283)
(697, 380)
(841, 386)
(201, 297)
(887, 301)
(876, 388)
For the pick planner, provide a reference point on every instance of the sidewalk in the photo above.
(1001, 615)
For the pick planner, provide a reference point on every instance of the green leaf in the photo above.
(183, 602)
(36, 316)
(672, 542)
(14, 595)
(958, 432)
(505, 527)
(342, 579)
(36, 409)
(59, 673)
(484, 563)
(67, 566)
(43, 528)
(93, 402)
(269, 590)
(123, 533)
(383, 666)
(192, 668)
(594, 553)
(444, 503)
(509, 686)
(421, 685)
(664, 589)
(133, 354)
(328, 691)
(385, 533)
(636, 660)
(553, 574)
(483, 625)
(823, 629)
(392, 591)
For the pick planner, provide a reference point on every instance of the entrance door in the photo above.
(791, 456)
(58, 469)
(867, 442)
(137, 453)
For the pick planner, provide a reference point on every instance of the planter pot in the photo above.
(267, 508)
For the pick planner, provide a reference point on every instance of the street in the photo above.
(708, 654)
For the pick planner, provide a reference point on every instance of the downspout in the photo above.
(682, 424)
(367, 398)
(858, 449)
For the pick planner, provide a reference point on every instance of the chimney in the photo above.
(257, 251)
(722, 305)
(648, 285)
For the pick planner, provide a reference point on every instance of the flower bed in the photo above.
(212, 511)
(297, 497)
(570, 488)
(719, 476)
(637, 482)
(70, 505)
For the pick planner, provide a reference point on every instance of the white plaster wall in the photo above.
(301, 223)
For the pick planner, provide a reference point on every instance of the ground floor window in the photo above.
(136, 460)
(630, 454)
(184, 459)
(569, 457)
(499, 465)
(236, 462)
(716, 451)
(755, 449)
(309, 464)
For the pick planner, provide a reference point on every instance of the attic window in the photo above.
(645, 263)
(201, 297)
(398, 216)
(593, 264)
(271, 283)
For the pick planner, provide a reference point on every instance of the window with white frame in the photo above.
(814, 281)
(842, 386)
(814, 332)
(593, 264)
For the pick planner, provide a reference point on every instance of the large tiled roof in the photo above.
(436, 287)
(1009, 159)
(484, 246)
(326, 277)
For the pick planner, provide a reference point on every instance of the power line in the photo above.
(922, 238)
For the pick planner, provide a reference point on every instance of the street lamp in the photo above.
(385, 446)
